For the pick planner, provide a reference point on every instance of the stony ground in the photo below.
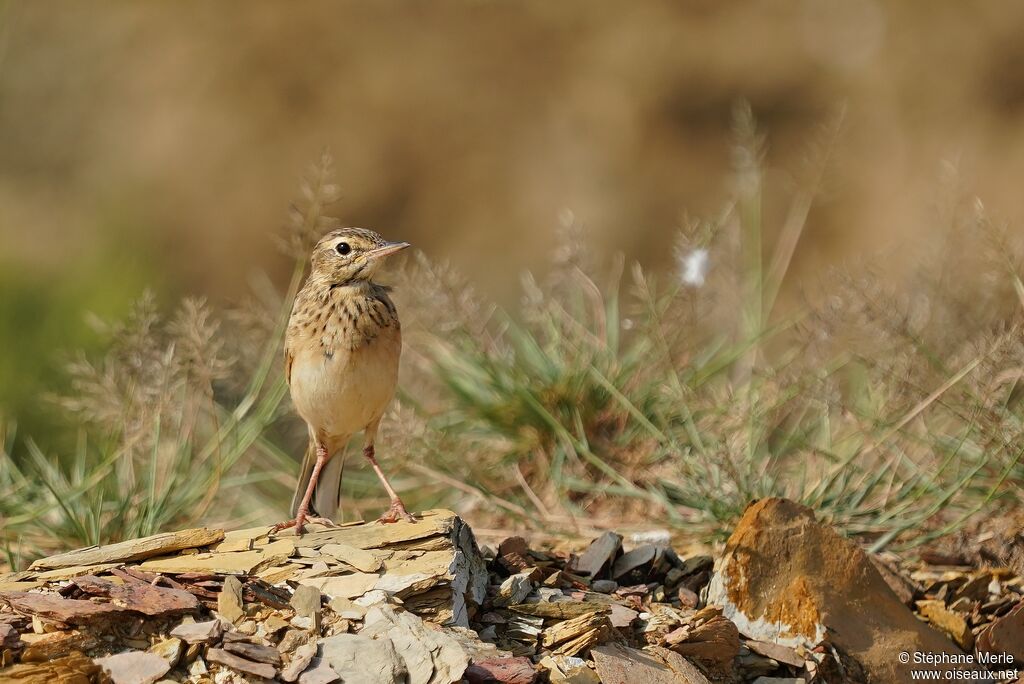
(788, 601)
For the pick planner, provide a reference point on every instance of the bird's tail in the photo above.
(327, 495)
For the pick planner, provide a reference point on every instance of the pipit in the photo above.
(341, 357)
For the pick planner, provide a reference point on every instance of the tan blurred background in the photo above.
(159, 144)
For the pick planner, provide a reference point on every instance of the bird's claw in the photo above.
(299, 523)
(395, 513)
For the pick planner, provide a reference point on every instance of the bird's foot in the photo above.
(299, 524)
(397, 512)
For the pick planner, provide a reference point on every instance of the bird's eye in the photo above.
(343, 248)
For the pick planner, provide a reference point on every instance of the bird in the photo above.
(341, 355)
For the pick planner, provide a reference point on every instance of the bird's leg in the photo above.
(397, 510)
(302, 514)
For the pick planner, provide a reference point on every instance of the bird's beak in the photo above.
(387, 250)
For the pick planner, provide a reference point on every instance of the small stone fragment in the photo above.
(199, 632)
(294, 638)
(603, 586)
(301, 658)
(685, 671)
(578, 634)
(218, 655)
(170, 649)
(134, 667)
(504, 670)
(950, 622)
(568, 670)
(431, 656)
(715, 644)
(513, 590)
(346, 608)
(633, 566)
(618, 664)
(687, 598)
(621, 616)
(599, 555)
(198, 667)
(1005, 634)
(783, 654)
(256, 652)
(364, 561)
(560, 610)
(273, 625)
(359, 658)
(229, 600)
(306, 602)
(320, 673)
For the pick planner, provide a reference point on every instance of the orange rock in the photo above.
(785, 578)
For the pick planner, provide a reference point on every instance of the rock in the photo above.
(686, 671)
(72, 669)
(950, 622)
(229, 600)
(599, 555)
(218, 655)
(54, 607)
(633, 566)
(170, 650)
(516, 545)
(199, 632)
(430, 656)
(10, 640)
(574, 636)
(785, 579)
(273, 625)
(714, 643)
(778, 652)
(140, 597)
(618, 664)
(363, 561)
(433, 564)
(569, 670)
(44, 647)
(134, 667)
(559, 610)
(301, 659)
(198, 667)
(687, 597)
(502, 671)
(1005, 634)
(132, 550)
(976, 588)
(359, 658)
(306, 602)
(513, 590)
(320, 673)
(622, 617)
(904, 588)
(604, 586)
(256, 652)
(780, 680)
(294, 638)
(347, 609)
(231, 563)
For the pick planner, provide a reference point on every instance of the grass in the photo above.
(609, 395)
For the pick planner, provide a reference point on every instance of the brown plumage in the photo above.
(342, 349)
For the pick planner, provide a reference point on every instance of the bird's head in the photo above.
(350, 255)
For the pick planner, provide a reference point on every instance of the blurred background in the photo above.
(159, 144)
